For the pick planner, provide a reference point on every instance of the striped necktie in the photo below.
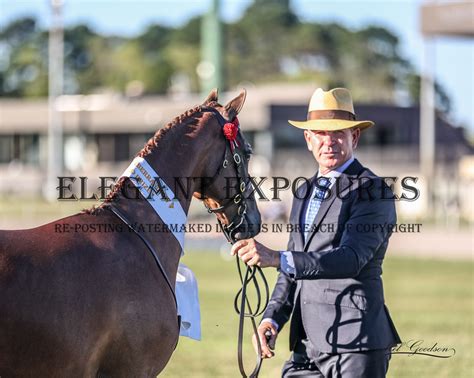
(315, 201)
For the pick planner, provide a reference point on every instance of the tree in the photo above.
(254, 52)
(269, 43)
(24, 71)
(442, 100)
(19, 31)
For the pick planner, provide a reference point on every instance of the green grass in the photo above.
(32, 211)
(429, 300)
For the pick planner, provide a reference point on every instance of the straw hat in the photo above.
(330, 111)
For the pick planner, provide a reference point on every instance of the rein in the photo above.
(250, 276)
(251, 273)
(124, 219)
(229, 231)
(149, 246)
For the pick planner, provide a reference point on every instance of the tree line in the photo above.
(269, 43)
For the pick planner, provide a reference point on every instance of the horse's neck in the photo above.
(176, 156)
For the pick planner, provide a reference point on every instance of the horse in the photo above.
(84, 301)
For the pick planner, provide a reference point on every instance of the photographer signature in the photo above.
(419, 347)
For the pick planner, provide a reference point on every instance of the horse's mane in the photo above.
(146, 150)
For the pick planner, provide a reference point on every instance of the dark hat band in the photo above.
(331, 114)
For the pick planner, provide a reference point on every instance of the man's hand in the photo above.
(252, 253)
(267, 347)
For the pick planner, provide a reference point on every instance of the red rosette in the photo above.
(230, 131)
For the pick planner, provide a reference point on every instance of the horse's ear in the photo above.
(234, 106)
(211, 96)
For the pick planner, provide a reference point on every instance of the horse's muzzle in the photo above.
(247, 230)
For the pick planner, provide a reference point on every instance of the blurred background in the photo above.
(84, 84)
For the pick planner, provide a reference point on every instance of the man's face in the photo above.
(331, 149)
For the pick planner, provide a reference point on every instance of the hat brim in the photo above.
(331, 124)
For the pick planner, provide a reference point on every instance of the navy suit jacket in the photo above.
(336, 294)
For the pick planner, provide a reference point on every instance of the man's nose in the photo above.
(329, 140)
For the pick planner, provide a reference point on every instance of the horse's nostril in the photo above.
(254, 228)
(257, 228)
(248, 230)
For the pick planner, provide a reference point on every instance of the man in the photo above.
(330, 276)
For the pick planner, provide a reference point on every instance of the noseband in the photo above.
(233, 156)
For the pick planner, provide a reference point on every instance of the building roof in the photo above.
(115, 114)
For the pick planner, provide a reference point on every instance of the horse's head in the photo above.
(227, 191)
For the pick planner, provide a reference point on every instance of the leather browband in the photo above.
(331, 114)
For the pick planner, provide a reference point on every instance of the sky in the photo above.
(453, 60)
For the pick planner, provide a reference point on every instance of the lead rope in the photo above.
(250, 275)
(231, 130)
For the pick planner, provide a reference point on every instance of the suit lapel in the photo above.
(344, 182)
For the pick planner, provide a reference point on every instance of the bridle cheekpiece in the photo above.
(230, 129)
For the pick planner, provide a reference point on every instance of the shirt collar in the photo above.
(338, 171)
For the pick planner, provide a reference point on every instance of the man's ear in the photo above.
(211, 96)
(234, 106)
(307, 138)
(355, 137)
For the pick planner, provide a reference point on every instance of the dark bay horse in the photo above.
(83, 301)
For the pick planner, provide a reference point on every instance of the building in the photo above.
(102, 133)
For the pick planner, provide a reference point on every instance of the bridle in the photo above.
(236, 153)
(239, 200)
(233, 157)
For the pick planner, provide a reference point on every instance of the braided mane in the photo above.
(146, 150)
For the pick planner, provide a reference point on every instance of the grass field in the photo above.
(429, 300)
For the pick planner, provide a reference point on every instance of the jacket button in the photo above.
(304, 302)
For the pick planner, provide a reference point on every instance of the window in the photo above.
(106, 147)
(120, 147)
(23, 148)
(6, 148)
